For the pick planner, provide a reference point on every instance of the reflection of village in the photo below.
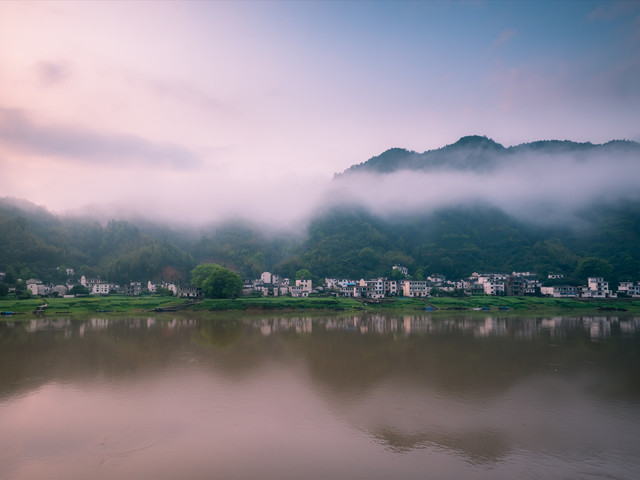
(595, 327)
(74, 327)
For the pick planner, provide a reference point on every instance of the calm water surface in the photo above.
(375, 397)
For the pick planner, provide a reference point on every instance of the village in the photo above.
(496, 284)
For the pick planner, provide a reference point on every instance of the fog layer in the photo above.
(533, 187)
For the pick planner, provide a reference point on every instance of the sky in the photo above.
(202, 111)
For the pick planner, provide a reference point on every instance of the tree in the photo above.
(592, 267)
(201, 272)
(164, 292)
(216, 281)
(10, 276)
(22, 292)
(79, 290)
(396, 274)
(303, 274)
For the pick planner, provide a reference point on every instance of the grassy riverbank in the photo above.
(91, 304)
(445, 304)
(121, 304)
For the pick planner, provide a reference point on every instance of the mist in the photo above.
(542, 189)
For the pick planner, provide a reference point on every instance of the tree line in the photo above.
(345, 243)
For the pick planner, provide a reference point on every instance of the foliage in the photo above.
(216, 281)
(456, 242)
(342, 243)
(79, 290)
(35, 243)
(593, 267)
(242, 248)
(303, 274)
(164, 292)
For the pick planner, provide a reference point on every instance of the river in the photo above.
(320, 397)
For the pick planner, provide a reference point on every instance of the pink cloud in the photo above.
(75, 143)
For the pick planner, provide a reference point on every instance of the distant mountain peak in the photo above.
(478, 153)
(472, 152)
(477, 141)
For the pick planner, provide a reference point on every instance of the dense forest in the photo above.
(349, 241)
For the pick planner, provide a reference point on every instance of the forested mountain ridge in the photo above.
(36, 243)
(478, 153)
(458, 241)
(33, 242)
(350, 243)
(596, 230)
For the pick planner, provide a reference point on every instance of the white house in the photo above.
(61, 290)
(101, 288)
(298, 290)
(598, 288)
(188, 292)
(561, 291)
(306, 285)
(390, 287)
(36, 287)
(415, 288)
(629, 288)
(493, 287)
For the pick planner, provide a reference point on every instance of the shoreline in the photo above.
(16, 309)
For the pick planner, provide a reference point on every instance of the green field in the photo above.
(122, 304)
(91, 304)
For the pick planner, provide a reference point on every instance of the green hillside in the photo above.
(349, 241)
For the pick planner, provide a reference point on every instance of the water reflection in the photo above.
(352, 396)
(598, 327)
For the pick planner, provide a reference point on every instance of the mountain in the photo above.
(482, 154)
(36, 243)
(547, 206)
(354, 243)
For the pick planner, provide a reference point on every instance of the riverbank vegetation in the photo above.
(122, 304)
(91, 304)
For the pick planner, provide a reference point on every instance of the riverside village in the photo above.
(514, 284)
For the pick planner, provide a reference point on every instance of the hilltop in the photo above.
(482, 154)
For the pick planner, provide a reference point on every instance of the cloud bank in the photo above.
(533, 187)
(77, 144)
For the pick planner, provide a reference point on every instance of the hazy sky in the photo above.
(201, 110)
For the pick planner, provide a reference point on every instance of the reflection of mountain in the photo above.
(551, 413)
(479, 446)
(480, 388)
